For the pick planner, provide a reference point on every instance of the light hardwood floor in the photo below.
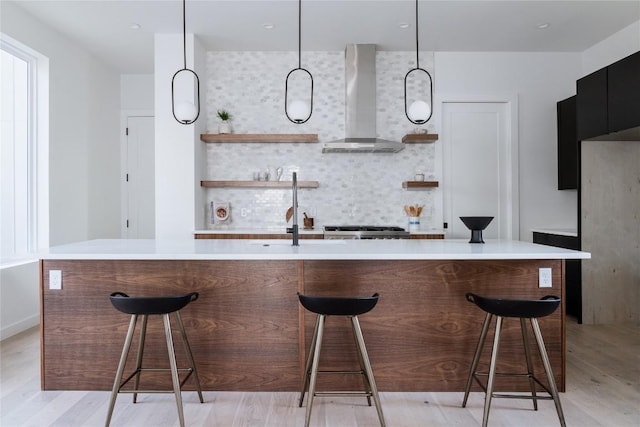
(603, 389)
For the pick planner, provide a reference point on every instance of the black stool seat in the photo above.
(338, 306)
(150, 305)
(144, 307)
(350, 307)
(516, 307)
(522, 309)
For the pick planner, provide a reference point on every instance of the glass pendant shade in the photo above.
(185, 96)
(298, 110)
(419, 112)
(186, 111)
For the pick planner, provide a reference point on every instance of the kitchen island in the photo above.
(248, 331)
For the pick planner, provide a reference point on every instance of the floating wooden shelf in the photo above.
(420, 138)
(417, 185)
(258, 184)
(248, 137)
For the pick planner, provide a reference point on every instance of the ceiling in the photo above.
(104, 26)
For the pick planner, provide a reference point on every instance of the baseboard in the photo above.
(20, 326)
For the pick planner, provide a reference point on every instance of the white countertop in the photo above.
(231, 249)
(315, 230)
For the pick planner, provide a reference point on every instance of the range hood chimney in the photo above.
(360, 103)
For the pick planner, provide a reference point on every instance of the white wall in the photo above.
(538, 80)
(136, 91)
(178, 194)
(619, 45)
(84, 143)
(84, 149)
(19, 304)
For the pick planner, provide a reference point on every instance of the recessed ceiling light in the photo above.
(135, 26)
(543, 26)
(268, 26)
(403, 25)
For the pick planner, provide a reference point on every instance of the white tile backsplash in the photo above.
(355, 188)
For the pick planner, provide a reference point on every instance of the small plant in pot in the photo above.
(225, 125)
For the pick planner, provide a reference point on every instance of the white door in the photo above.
(479, 174)
(140, 178)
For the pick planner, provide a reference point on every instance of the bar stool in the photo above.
(522, 309)
(145, 306)
(338, 306)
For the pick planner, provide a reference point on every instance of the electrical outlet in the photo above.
(55, 279)
(544, 278)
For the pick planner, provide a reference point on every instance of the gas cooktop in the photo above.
(364, 232)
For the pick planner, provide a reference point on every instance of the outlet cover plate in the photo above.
(544, 278)
(55, 279)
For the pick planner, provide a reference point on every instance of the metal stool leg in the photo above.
(368, 370)
(476, 357)
(307, 369)
(314, 368)
(119, 372)
(174, 368)
(143, 335)
(365, 379)
(527, 352)
(492, 372)
(547, 369)
(187, 350)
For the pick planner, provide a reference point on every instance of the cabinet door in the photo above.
(624, 93)
(591, 104)
(567, 145)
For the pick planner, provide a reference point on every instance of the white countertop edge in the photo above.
(205, 249)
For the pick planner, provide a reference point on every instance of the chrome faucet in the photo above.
(294, 227)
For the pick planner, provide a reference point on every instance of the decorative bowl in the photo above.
(476, 224)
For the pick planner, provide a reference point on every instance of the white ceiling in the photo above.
(103, 26)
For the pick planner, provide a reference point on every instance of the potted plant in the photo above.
(225, 125)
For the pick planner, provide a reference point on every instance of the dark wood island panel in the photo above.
(422, 334)
(243, 329)
(248, 331)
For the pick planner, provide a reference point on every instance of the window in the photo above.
(24, 150)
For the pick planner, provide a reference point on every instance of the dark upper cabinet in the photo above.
(591, 104)
(624, 93)
(567, 145)
(608, 100)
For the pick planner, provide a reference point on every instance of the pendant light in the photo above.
(298, 111)
(185, 111)
(420, 111)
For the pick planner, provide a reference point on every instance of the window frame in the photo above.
(37, 173)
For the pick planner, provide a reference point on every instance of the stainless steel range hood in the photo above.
(360, 103)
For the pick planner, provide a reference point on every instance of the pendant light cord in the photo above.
(417, 49)
(184, 32)
(299, 33)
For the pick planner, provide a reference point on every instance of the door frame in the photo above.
(124, 115)
(512, 196)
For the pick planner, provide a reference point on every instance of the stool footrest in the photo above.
(525, 375)
(140, 370)
(342, 372)
(522, 396)
(140, 391)
(343, 393)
